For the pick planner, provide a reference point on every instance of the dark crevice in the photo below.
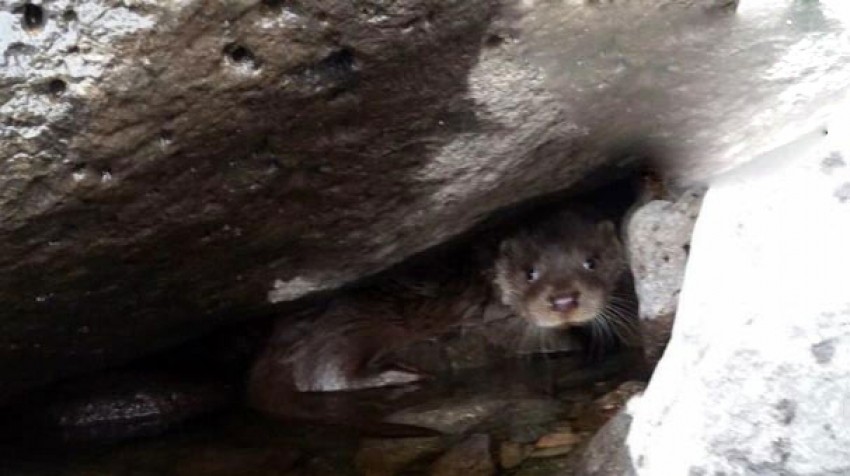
(240, 55)
(56, 87)
(33, 16)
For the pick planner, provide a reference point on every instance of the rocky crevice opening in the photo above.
(171, 173)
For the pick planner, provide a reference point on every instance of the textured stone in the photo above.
(694, 82)
(200, 160)
(755, 378)
(553, 440)
(112, 407)
(658, 239)
(451, 416)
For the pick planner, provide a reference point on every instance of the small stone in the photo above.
(469, 458)
(658, 237)
(453, 416)
(386, 457)
(554, 440)
(551, 452)
(512, 454)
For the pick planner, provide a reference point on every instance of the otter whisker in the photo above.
(620, 322)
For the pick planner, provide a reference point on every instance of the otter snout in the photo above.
(564, 302)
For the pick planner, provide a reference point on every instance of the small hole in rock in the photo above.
(339, 66)
(74, 49)
(69, 16)
(240, 55)
(687, 248)
(666, 258)
(493, 41)
(56, 87)
(79, 172)
(33, 16)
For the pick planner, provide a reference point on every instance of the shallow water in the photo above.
(510, 408)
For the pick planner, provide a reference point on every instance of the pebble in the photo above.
(471, 457)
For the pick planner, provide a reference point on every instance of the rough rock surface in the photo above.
(658, 239)
(168, 166)
(702, 88)
(755, 378)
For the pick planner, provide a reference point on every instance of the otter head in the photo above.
(560, 272)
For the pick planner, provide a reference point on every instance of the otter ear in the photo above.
(509, 247)
(607, 229)
(506, 247)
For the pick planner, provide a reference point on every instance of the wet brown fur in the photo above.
(349, 344)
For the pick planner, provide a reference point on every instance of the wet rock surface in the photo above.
(533, 432)
(112, 407)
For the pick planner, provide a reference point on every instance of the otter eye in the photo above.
(532, 275)
(590, 264)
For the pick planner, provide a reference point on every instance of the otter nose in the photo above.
(564, 302)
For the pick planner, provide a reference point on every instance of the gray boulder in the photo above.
(756, 377)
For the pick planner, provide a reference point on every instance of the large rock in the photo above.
(687, 81)
(169, 166)
(756, 377)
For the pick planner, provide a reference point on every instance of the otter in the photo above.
(562, 272)
(548, 276)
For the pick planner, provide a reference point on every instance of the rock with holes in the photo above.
(658, 240)
(166, 167)
(756, 375)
